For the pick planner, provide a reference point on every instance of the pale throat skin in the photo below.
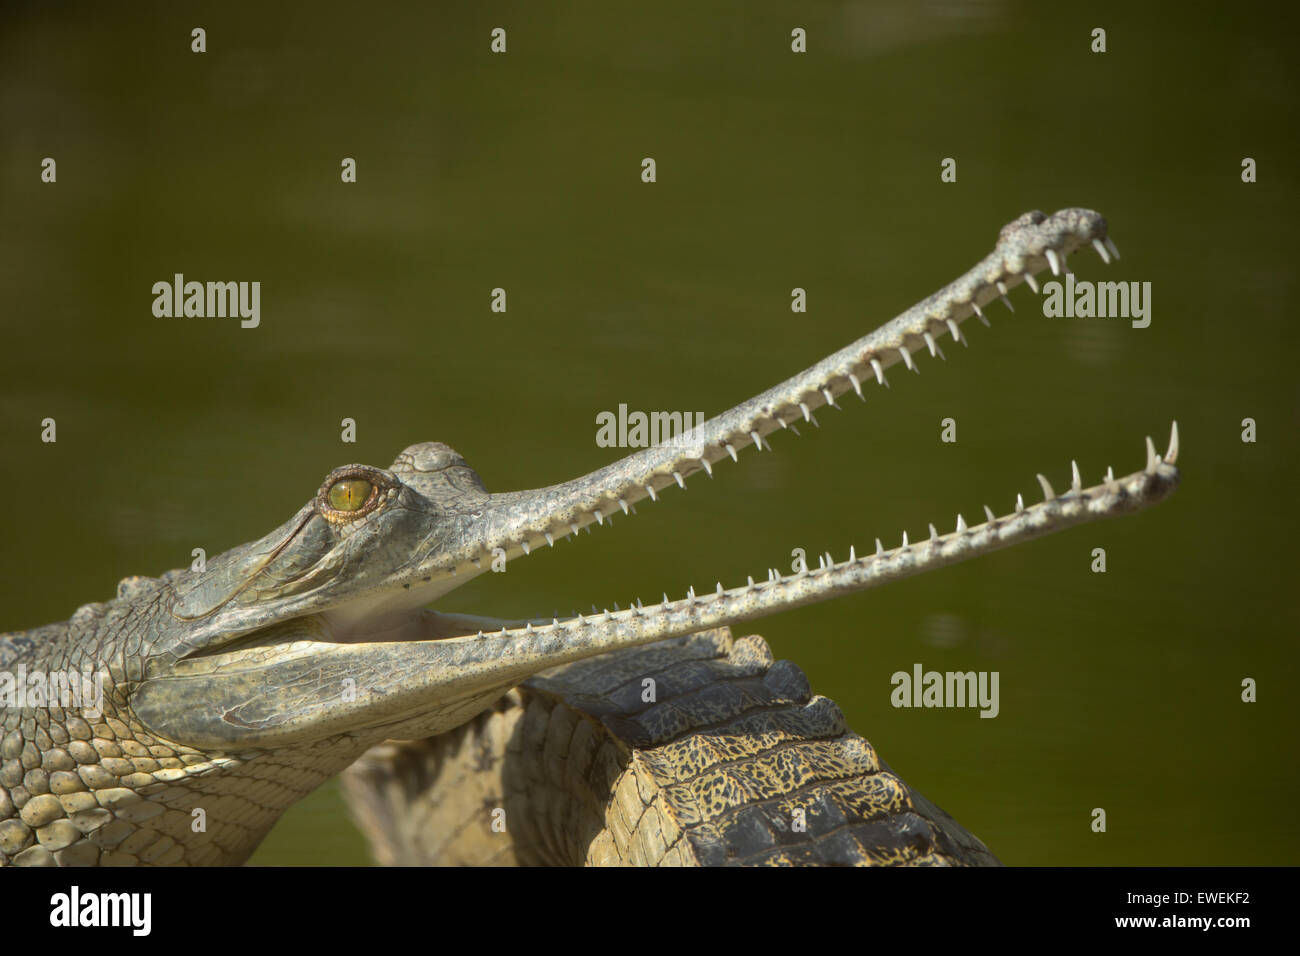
(237, 690)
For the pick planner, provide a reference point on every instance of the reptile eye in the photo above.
(350, 494)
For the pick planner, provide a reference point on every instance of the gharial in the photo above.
(232, 692)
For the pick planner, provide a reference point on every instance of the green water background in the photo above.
(775, 170)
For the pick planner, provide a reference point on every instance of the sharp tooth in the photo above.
(1002, 293)
(750, 580)
(880, 372)
(821, 561)
(1101, 251)
(934, 346)
(615, 605)
(907, 358)
(550, 539)
(1020, 504)
(623, 504)
(857, 386)
(758, 440)
(853, 555)
(1076, 482)
(528, 628)
(708, 467)
(666, 602)
(880, 548)
(956, 333)
(719, 589)
(795, 429)
(480, 634)
(1171, 455)
(830, 399)
(830, 562)
(732, 452)
(1110, 244)
(905, 539)
(608, 616)
(1048, 493)
(555, 622)
(988, 513)
(1110, 474)
(650, 490)
(690, 593)
(961, 523)
(980, 313)
(1031, 282)
(524, 545)
(1152, 458)
(807, 415)
(600, 519)
(934, 533)
(680, 484)
(1053, 261)
(573, 527)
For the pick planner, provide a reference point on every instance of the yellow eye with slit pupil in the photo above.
(351, 494)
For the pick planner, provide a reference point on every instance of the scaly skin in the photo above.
(735, 763)
(232, 692)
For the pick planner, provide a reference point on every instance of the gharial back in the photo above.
(733, 762)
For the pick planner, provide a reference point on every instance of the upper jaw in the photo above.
(437, 526)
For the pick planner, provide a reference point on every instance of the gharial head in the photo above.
(371, 539)
(320, 628)
(316, 628)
